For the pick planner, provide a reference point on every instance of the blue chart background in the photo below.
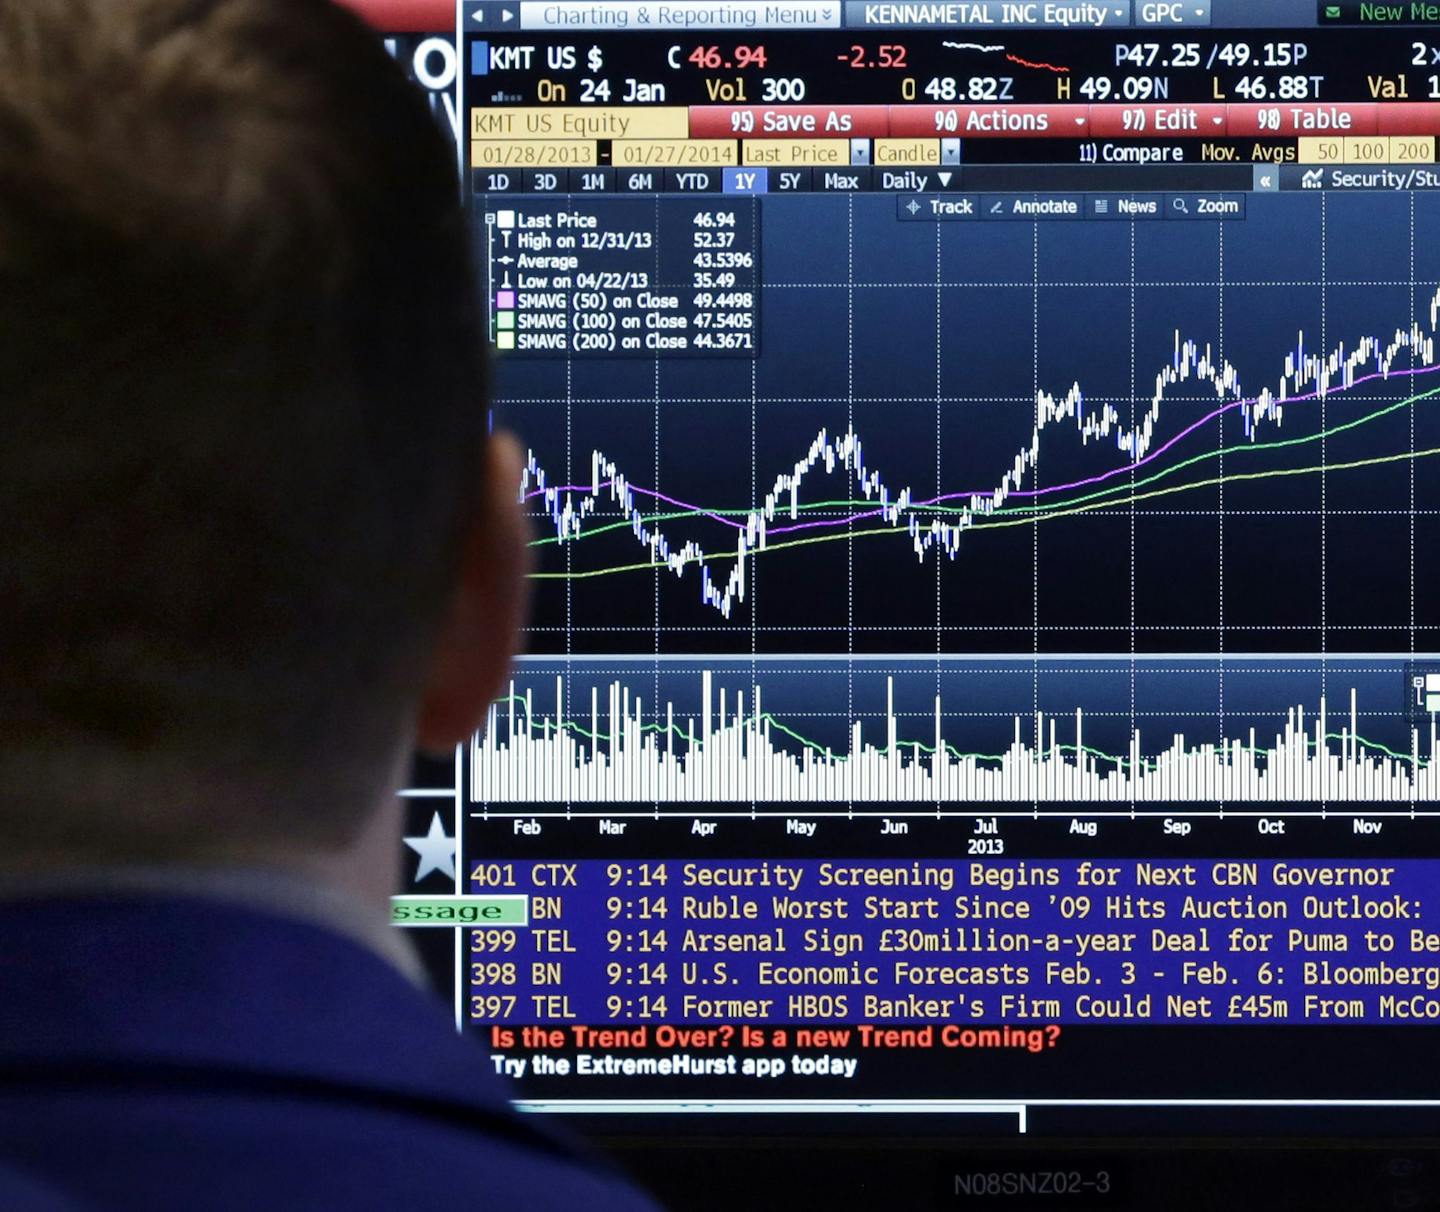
(931, 340)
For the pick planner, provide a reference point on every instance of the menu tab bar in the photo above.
(953, 123)
(551, 16)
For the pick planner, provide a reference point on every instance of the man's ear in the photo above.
(477, 640)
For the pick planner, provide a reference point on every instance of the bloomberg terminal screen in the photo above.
(985, 659)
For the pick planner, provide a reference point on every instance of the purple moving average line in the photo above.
(1018, 492)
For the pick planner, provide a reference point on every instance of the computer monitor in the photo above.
(984, 670)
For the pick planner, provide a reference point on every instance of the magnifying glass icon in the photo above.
(1181, 205)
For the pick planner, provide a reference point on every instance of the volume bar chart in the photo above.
(954, 731)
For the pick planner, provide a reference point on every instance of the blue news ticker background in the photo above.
(1201, 956)
(930, 340)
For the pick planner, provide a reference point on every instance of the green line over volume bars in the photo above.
(919, 747)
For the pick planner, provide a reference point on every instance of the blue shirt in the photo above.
(163, 1051)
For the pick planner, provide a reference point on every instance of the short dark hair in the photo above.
(241, 418)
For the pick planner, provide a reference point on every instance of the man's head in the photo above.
(242, 431)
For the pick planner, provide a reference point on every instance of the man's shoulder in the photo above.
(152, 1148)
(207, 1047)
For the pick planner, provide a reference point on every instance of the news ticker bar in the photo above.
(836, 122)
(877, 944)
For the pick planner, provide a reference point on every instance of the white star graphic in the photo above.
(436, 850)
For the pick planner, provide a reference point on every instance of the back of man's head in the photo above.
(240, 420)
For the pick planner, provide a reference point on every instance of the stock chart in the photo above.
(984, 658)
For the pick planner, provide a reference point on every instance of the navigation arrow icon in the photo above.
(944, 178)
(506, 16)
